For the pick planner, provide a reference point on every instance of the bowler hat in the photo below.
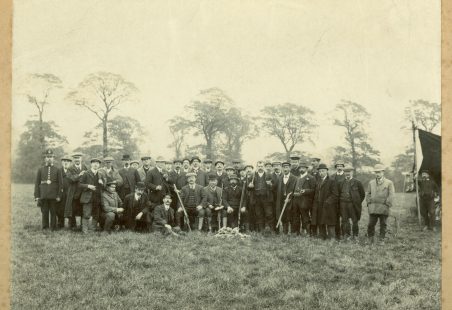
(322, 166)
(379, 167)
(125, 157)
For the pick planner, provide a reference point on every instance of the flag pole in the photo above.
(415, 174)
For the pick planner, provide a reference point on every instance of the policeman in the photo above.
(48, 190)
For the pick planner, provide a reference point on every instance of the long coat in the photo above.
(89, 196)
(325, 208)
(290, 187)
(74, 190)
(142, 173)
(130, 177)
(153, 179)
(357, 195)
(307, 183)
(163, 217)
(379, 196)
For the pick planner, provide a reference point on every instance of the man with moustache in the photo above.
(232, 198)
(285, 187)
(208, 165)
(129, 176)
(261, 188)
(66, 162)
(222, 178)
(138, 210)
(236, 164)
(315, 162)
(110, 172)
(48, 190)
(168, 165)
(201, 176)
(339, 177)
(428, 190)
(73, 207)
(191, 196)
(379, 198)
(176, 177)
(276, 174)
(90, 198)
(324, 210)
(186, 165)
(268, 167)
(157, 182)
(351, 196)
(294, 162)
(164, 220)
(303, 199)
(112, 206)
(212, 205)
(145, 167)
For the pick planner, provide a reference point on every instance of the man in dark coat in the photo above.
(261, 188)
(48, 190)
(164, 220)
(176, 177)
(157, 182)
(339, 177)
(351, 197)
(232, 198)
(208, 165)
(212, 205)
(294, 163)
(221, 175)
(110, 172)
(73, 207)
(202, 177)
(286, 186)
(65, 164)
(303, 199)
(315, 161)
(428, 190)
(324, 211)
(145, 168)
(191, 196)
(276, 175)
(130, 177)
(138, 209)
(90, 198)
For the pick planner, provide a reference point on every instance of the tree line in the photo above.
(222, 125)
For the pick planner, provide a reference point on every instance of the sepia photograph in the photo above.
(274, 154)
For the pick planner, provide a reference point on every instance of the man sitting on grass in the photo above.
(164, 220)
(138, 209)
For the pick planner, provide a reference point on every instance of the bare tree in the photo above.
(101, 93)
(292, 124)
(353, 117)
(38, 88)
(427, 115)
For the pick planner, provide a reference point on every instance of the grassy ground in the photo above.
(136, 271)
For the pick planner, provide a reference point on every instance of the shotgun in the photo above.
(286, 201)
(183, 208)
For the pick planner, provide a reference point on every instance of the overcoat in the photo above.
(290, 187)
(379, 196)
(325, 207)
(74, 191)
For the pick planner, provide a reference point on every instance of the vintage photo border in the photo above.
(6, 10)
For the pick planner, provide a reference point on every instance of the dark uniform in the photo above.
(427, 192)
(48, 189)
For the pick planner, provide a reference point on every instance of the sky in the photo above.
(380, 54)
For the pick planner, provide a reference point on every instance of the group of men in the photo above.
(190, 194)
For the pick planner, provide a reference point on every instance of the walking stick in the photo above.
(241, 203)
(218, 208)
(286, 201)
(183, 208)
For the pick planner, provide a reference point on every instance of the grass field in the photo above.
(66, 270)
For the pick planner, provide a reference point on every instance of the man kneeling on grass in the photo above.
(164, 220)
(111, 206)
(138, 209)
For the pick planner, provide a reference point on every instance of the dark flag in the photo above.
(429, 153)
